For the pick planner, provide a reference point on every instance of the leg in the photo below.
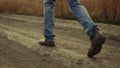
(97, 39)
(82, 15)
(48, 23)
(49, 20)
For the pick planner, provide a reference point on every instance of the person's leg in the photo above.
(48, 23)
(49, 20)
(82, 15)
(97, 39)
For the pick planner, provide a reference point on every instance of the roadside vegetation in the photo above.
(105, 11)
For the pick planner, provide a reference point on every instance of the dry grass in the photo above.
(96, 8)
(103, 8)
(21, 6)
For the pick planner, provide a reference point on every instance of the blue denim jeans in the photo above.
(77, 9)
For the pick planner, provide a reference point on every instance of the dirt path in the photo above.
(19, 48)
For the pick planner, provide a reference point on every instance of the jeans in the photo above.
(77, 9)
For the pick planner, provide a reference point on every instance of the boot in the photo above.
(97, 40)
(47, 43)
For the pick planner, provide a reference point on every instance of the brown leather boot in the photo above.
(47, 43)
(97, 40)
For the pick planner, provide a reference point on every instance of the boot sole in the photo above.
(48, 45)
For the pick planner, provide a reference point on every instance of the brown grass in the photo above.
(22, 6)
(96, 8)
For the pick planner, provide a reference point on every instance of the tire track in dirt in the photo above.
(65, 34)
(68, 27)
(15, 55)
(68, 52)
(33, 44)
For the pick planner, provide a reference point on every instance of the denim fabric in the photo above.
(76, 8)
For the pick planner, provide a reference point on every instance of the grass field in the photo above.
(107, 9)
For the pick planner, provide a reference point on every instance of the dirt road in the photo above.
(19, 48)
